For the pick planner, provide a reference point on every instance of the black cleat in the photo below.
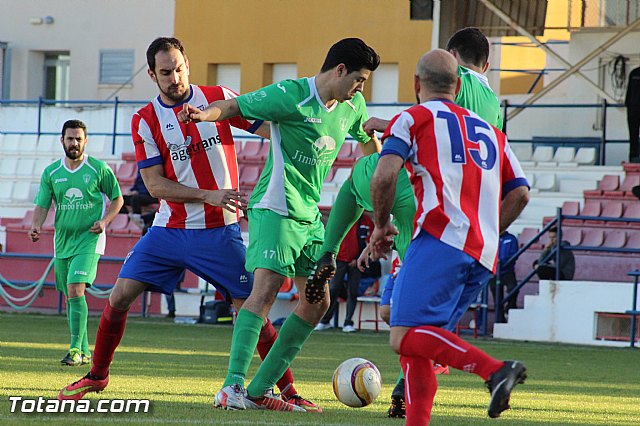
(325, 269)
(398, 408)
(73, 358)
(501, 383)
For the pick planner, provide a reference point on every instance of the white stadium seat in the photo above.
(565, 154)
(543, 154)
(586, 156)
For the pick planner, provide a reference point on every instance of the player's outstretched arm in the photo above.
(39, 216)
(215, 111)
(161, 187)
(375, 124)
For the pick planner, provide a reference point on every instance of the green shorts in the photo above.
(78, 269)
(282, 244)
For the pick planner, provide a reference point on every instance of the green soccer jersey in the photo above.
(404, 204)
(80, 199)
(476, 95)
(305, 139)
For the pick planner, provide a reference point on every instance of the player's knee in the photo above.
(124, 293)
(395, 339)
(75, 290)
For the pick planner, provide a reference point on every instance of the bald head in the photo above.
(437, 73)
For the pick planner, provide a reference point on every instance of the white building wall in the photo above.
(82, 27)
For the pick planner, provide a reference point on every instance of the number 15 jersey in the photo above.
(461, 167)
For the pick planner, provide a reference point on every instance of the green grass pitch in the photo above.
(179, 367)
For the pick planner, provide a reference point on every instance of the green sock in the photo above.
(246, 332)
(69, 320)
(78, 312)
(293, 333)
(344, 214)
(400, 377)
(85, 343)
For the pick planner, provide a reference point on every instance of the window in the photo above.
(421, 10)
(116, 66)
(384, 84)
(227, 75)
(56, 76)
(281, 72)
(4, 71)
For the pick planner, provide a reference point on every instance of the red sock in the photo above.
(110, 333)
(444, 347)
(268, 336)
(420, 386)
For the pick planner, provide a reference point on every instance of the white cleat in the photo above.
(231, 397)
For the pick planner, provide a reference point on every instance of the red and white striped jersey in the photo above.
(197, 155)
(461, 167)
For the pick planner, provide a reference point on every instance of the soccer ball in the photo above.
(356, 382)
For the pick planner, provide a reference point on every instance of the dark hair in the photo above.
(162, 44)
(353, 53)
(553, 229)
(74, 124)
(471, 44)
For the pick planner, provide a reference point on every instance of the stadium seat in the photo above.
(40, 165)
(543, 154)
(614, 238)
(610, 209)
(591, 208)
(238, 145)
(129, 156)
(254, 152)
(572, 235)
(632, 211)
(126, 173)
(119, 225)
(332, 172)
(27, 220)
(633, 240)
(326, 199)
(565, 154)
(49, 144)
(592, 237)
(586, 156)
(19, 144)
(607, 183)
(249, 176)
(9, 166)
(523, 151)
(625, 187)
(25, 166)
(570, 208)
(340, 176)
(21, 191)
(344, 157)
(545, 181)
(98, 145)
(527, 235)
(6, 190)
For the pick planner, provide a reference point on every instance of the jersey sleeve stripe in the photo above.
(143, 164)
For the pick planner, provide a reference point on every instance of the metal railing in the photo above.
(501, 302)
(37, 128)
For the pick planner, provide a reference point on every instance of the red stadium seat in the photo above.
(592, 237)
(527, 235)
(119, 225)
(591, 208)
(126, 173)
(344, 157)
(249, 177)
(250, 150)
(614, 238)
(625, 187)
(129, 156)
(607, 184)
(332, 172)
(570, 208)
(632, 212)
(572, 235)
(633, 240)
